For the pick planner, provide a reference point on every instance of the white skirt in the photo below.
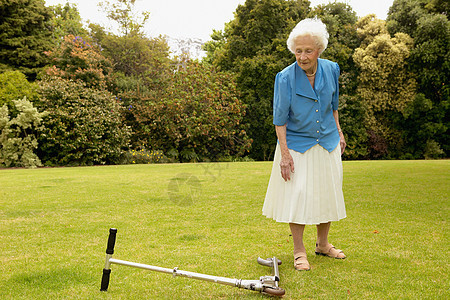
(314, 193)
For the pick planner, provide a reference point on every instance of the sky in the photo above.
(197, 18)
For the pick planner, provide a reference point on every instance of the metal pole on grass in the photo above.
(266, 284)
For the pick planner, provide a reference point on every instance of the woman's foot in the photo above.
(301, 262)
(330, 251)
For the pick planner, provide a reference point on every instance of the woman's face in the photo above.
(306, 53)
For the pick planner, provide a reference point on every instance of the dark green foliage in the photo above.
(24, 36)
(256, 61)
(351, 118)
(438, 6)
(421, 129)
(340, 20)
(403, 16)
(426, 125)
(431, 56)
(431, 61)
(255, 81)
(83, 127)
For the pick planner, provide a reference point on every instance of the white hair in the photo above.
(309, 27)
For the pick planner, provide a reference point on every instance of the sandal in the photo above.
(301, 263)
(330, 251)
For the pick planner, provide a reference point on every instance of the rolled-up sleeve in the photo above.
(335, 100)
(281, 100)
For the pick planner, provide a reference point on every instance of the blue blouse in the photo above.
(308, 112)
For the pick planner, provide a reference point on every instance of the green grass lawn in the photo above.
(206, 218)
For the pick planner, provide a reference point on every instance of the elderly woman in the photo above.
(305, 186)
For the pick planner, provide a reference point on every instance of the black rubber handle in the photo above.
(111, 241)
(105, 280)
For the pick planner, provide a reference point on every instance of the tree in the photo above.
(137, 58)
(198, 117)
(24, 36)
(404, 14)
(132, 53)
(430, 61)
(66, 20)
(432, 55)
(122, 12)
(340, 20)
(78, 60)
(438, 6)
(84, 123)
(427, 124)
(140, 64)
(384, 84)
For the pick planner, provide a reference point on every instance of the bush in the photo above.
(14, 85)
(197, 118)
(433, 150)
(83, 127)
(18, 135)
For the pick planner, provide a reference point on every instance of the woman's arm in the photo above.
(341, 135)
(287, 163)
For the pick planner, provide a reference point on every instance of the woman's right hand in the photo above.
(286, 166)
(287, 163)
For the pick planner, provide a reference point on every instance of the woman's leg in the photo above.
(323, 246)
(300, 259)
(322, 234)
(297, 235)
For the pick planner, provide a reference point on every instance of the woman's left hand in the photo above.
(342, 142)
